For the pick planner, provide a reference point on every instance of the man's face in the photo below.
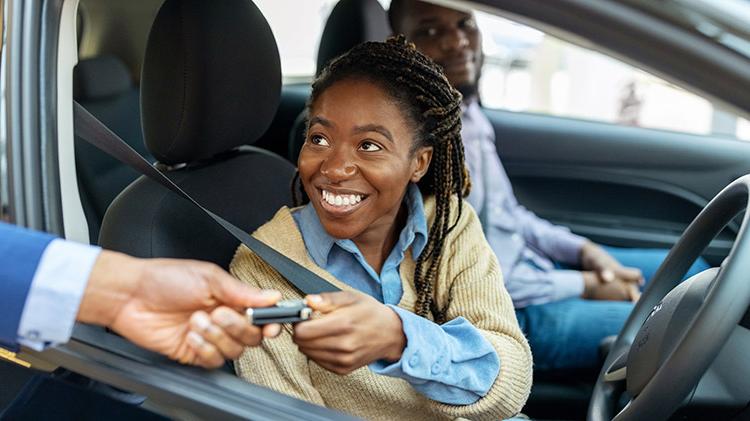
(450, 37)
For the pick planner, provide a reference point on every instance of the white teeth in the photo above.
(341, 200)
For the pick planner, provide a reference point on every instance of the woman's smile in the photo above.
(341, 203)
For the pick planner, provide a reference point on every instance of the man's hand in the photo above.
(595, 258)
(354, 331)
(190, 311)
(596, 288)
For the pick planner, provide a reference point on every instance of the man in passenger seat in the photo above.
(564, 313)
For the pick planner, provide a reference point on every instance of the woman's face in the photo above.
(357, 160)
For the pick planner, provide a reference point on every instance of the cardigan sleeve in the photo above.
(475, 290)
(270, 364)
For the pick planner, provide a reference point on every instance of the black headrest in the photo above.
(211, 79)
(352, 22)
(100, 77)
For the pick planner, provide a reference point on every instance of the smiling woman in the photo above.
(423, 328)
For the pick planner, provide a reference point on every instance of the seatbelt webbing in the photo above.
(96, 133)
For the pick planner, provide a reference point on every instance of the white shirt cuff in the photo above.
(56, 291)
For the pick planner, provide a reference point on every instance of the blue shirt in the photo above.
(525, 245)
(450, 363)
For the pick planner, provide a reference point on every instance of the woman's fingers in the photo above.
(337, 362)
(332, 324)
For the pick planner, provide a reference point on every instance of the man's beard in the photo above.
(468, 89)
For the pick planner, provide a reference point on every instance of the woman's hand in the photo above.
(354, 331)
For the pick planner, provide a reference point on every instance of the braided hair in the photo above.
(433, 108)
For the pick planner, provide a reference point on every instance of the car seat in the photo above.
(350, 23)
(210, 86)
(105, 88)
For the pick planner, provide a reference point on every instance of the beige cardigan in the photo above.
(469, 284)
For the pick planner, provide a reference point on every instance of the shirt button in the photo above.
(33, 335)
(435, 369)
(515, 237)
(414, 360)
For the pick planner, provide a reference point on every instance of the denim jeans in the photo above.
(566, 334)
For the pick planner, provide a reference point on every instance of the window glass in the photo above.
(528, 70)
(297, 26)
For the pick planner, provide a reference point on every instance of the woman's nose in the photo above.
(338, 167)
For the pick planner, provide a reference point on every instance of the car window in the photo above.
(298, 26)
(529, 70)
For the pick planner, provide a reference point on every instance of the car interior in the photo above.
(196, 88)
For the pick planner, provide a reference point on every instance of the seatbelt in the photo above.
(96, 133)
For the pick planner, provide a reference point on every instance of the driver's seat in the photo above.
(210, 85)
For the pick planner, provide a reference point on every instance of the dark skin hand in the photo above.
(354, 330)
(605, 278)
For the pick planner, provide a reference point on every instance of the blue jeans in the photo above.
(566, 334)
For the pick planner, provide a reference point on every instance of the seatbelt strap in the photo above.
(96, 133)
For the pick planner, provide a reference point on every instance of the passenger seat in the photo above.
(105, 88)
(210, 86)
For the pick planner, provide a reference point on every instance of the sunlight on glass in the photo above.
(526, 70)
(743, 129)
(297, 26)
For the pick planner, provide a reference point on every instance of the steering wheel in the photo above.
(676, 330)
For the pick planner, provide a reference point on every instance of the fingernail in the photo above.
(608, 276)
(202, 322)
(195, 339)
(314, 298)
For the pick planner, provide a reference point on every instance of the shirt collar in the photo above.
(319, 243)
(470, 108)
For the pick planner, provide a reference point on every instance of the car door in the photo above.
(615, 153)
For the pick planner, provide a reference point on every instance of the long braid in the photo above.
(434, 107)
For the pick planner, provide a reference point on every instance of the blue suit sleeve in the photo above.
(20, 253)
(450, 363)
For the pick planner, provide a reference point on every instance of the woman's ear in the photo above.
(422, 158)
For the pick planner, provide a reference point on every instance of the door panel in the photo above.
(623, 186)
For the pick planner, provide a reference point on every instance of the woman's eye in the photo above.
(318, 140)
(370, 147)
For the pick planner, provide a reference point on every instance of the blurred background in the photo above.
(528, 70)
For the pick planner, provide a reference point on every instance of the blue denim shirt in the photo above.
(450, 363)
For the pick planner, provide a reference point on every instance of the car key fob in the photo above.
(288, 311)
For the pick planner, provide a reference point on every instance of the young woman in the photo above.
(423, 328)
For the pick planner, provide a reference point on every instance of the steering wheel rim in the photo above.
(711, 326)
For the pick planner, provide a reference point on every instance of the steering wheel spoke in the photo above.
(618, 370)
